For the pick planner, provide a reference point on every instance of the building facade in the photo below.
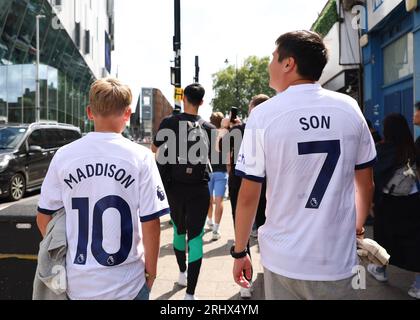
(391, 59)
(76, 40)
(152, 108)
(343, 73)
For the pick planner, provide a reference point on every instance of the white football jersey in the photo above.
(307, 143)
(108, 185)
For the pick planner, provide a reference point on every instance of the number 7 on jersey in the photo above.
(333, 150)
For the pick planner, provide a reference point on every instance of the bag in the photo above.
(193, 166)
(402, 182)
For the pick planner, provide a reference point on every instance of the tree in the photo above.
(236, 87)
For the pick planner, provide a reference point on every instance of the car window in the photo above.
(37, 138)
(10, 137)
(55, 138)
(71, 135)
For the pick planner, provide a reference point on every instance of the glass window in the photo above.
(12, 25)
(10, 137)
(14, 93)
(52, 93)
(71, 135)
(29, 92)
(3, 93)
(55, 138)
(4, 11)
(398, 59)
(37, 138)
(61, 97)
(43, 85)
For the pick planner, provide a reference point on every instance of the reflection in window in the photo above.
(52, 93)
(29, 87)
(398, 59)
(14, 93)
(3, 93)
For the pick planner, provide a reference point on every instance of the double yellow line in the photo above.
(19, 256)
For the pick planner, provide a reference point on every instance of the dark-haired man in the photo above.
(314, 149)
(187, 190)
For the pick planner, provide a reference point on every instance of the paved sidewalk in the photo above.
(216, 282)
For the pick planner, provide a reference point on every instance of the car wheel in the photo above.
(17, 187)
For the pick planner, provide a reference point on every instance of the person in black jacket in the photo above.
(187, 188)
(397, 219)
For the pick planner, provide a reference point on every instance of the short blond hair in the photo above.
(216, 119)
(109, 97)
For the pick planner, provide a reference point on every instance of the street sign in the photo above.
(179, 94)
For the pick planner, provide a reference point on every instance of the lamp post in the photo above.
(37, 96)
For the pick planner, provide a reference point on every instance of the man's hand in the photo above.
(242, 272)
(42, 221)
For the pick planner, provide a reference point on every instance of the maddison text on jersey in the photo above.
(99, 170)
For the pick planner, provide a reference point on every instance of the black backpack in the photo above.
(193, 166)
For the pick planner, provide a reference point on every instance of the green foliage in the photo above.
(327, 19)
(236, 88)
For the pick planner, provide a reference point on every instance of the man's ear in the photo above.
(127, 114)
(89, 113)
(290, 64)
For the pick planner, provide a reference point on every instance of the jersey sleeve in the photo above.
(366, 153)
(50, 200)
(153, 199)
(251, 158)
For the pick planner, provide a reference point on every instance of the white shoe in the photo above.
(380, 276)
(414, 292)
(183, 279)
(216, 235)
(190, 297)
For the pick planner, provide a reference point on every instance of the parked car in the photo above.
(26, 152)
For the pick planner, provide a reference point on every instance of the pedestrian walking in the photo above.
(188, 190)
(113, 197)
(397, 201)
(315, 150)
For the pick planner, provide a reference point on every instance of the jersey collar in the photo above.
(304, 87)
(104, 135)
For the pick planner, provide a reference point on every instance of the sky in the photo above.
(214, 30)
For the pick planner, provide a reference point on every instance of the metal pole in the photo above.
(37, 96)
(177, 49)
(197, 70)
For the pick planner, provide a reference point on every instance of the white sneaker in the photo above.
(380, 276)
(190, 297)
(216, 235)
(183, 279)
(414, 292)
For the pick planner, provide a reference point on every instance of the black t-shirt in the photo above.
(172, 123)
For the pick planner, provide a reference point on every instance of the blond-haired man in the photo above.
(113, 197)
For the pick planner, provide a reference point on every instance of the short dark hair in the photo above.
(417, 105)
(308, 50)
(195, 94)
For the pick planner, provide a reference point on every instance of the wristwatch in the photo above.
(239, 255)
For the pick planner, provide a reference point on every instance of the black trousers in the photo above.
(189, 205)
